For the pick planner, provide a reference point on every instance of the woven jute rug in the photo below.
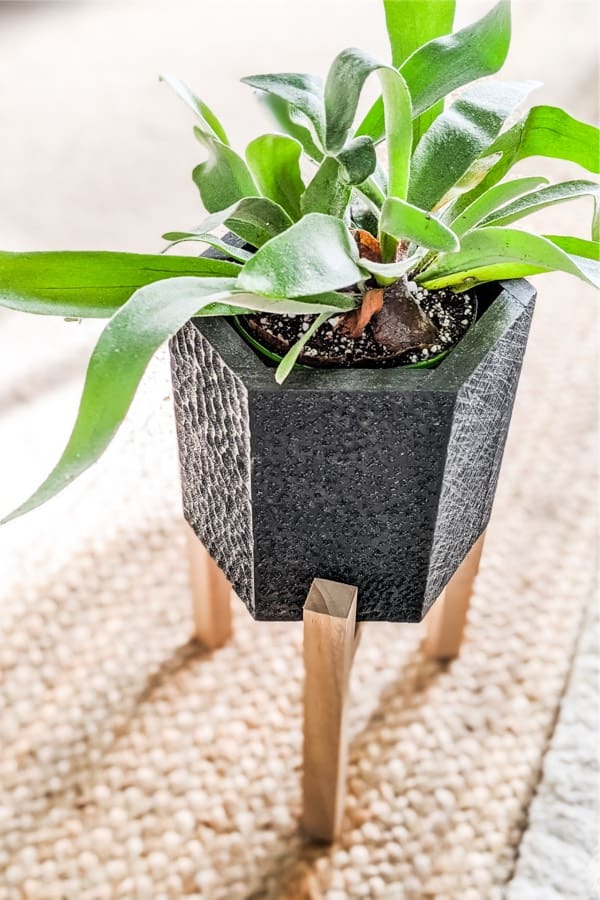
(559, 853)
(136, 764)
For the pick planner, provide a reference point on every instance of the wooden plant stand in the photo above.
(446, 619)
(331, 637)
(211, 596)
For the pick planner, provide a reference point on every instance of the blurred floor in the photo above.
(110, 784)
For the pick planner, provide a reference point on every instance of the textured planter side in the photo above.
(379, 478)
(481, 419)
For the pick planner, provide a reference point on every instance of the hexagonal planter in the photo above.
(379, 478)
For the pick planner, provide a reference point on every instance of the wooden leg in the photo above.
(330, 640)
(211, 596)
(446, 619)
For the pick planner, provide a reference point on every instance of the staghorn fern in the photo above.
(440, 208)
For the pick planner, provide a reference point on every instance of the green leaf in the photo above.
(385, 273)
(256, 220)
(545, 131)
(300, 91)
(120, 357)
(410, 23)
(289, 360)
(180, 237)
(328, 191)
(208, 121)
(343, 87)
(224, 177)
(362, 217)
(490, 254)
(287, 119)
(373, 124)
(253, 219)
(314, 304)
(371, 195)
(358, 159)
(585, 254)
(422, 123)
(459, 136)
(90, 284)
(472, 177)
(316, 254)
(329, 301)
(447, 63)
(491, 200)
(404, 221)
(126, 346)
(548, 196)
(344, 84)
(274, 161)
(398, 130)
(549, 131)
(331, 187)
(379, 177)
(575, 245)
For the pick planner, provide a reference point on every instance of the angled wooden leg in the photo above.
(211, 596)
(445, 620)
(330, 640)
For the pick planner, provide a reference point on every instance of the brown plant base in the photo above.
(435, 323)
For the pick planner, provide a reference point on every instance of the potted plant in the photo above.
(345, 358)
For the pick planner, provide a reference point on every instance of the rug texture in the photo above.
(134, 763)
(558, 856)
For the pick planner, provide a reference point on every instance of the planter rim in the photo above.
(449, 374)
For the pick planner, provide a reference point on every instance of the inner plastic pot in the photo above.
(270, 357)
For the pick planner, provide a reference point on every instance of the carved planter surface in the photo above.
(379, 478)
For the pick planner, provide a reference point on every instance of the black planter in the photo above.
(378, 478)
